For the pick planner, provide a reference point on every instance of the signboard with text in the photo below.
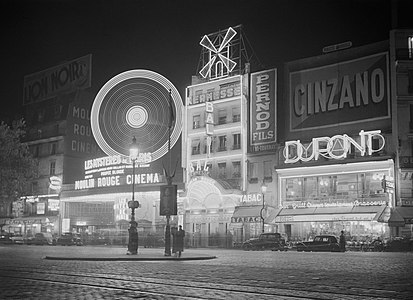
(262, 122)
(64, 78)
(341, 92)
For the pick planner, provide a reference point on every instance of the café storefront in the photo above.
(326, 199)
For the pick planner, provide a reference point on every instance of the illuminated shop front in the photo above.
(328, 199)
(34, 214)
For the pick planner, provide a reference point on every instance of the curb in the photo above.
(130, 258)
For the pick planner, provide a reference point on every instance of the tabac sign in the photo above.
(263, 111)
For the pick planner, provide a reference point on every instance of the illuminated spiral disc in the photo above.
(136, 104)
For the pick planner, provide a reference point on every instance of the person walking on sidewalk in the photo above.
(342, 242)
(179, 236)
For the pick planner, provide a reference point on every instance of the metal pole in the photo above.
(262, 210)
(133, 189)
(169, 181)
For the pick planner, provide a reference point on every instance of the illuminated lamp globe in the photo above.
(133, 151)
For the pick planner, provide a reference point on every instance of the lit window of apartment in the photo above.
(53, 148)
(222, 170)
(222, 143)
(253, 172)
(35, 187)
(222, 116)
(267, 170)
(236, 169)
(236, 114)
(196, 146)
(196, 121)
(52, 168)
(410, 46)
(210, 146)
(36, 150)
(237, 141)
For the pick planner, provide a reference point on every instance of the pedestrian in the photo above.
(342, 242)
(180, 234)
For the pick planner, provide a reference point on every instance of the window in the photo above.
(222, 116)
(410, 46)
(236, 114)
(222, 143)
(267, 171)
(210, 147)
(253, 172)
(35, 187)
(222, 170)
(237, 141)
(196, 121)
(53, 147)
(52, 167)
(36, 150)
(236, 169)
(196, 145)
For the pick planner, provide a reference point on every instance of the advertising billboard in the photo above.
(64, 78)
(263, 117)
(350, 94)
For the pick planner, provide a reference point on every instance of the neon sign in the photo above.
(336, 147)
(218, 57)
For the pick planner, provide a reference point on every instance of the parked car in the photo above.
(327, 243)
(18, 239)
(273, 241)
(41, 238)
(5, 238)
(69, 239)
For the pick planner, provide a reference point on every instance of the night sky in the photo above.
(163, 36)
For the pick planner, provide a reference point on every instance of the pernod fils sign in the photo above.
(262, 111)
(336, 147)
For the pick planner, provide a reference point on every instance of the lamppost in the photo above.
(133, 230)
(263, 190)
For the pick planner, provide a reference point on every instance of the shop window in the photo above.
(237, 141)
(196, 121)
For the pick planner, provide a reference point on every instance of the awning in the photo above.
(252, 214)
(400, 216)
(31, 220)
(327, 214)
(246, 214)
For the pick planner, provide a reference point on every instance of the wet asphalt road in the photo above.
(234, 274)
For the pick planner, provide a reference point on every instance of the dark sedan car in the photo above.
(273, 241)
(326, 243)
(69, 239)
(42, 238)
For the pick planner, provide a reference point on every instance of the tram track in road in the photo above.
(180, 287)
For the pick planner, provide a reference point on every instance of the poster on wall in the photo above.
(333, 96)
(263, 118)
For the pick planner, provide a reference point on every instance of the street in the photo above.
(234, 274)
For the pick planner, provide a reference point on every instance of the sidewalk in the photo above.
(90, 253)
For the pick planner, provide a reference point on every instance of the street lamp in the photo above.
(133, 230)
(263, 190)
